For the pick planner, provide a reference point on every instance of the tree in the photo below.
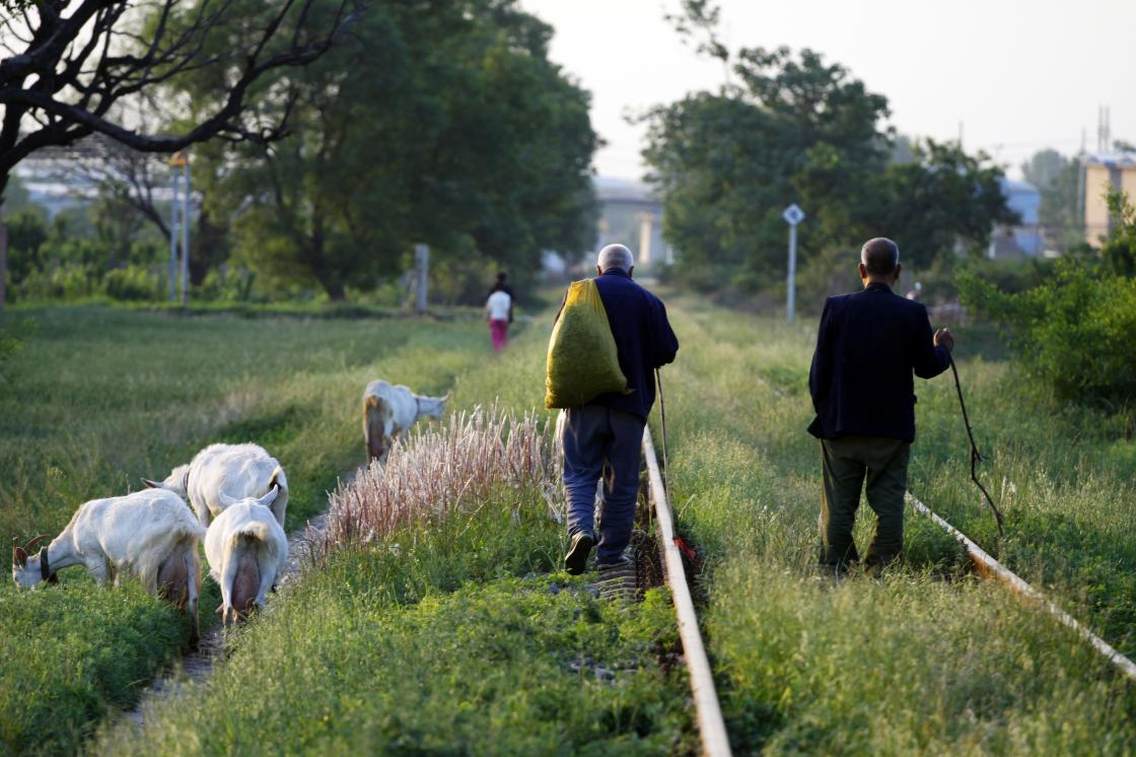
(440, 122)
(67, 75)
(727, 163)
(1057, 178)
(943, 198)
(795, 128)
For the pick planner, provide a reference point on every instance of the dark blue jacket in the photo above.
(643, 337)
(867, 347)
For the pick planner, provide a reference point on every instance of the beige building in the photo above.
(1103, 171)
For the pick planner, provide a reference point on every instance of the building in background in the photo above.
(1024, 239)
(1099, 173)
(631, 214)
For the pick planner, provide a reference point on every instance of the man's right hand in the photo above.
(944, 338)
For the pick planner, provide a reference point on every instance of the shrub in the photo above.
(1074, 330)
(132, 283)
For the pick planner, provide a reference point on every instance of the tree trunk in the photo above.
(335, 289)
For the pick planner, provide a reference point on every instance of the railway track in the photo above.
(988, 567)
(708, 711)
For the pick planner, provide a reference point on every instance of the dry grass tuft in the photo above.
(443, 471)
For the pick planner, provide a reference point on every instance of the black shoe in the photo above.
(577, 557)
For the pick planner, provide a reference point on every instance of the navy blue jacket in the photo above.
(867, 347)
(643, 336)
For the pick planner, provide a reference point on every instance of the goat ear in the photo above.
(19, 557)
(152, 484)
(270, 497)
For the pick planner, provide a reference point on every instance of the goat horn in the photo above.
(35, 540)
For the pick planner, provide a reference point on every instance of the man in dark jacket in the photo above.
(603, 437)
(868, 345)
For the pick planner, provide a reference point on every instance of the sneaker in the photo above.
(618, 580)
(577, 557)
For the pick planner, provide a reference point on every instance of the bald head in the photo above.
(615, 256)
(880, 257)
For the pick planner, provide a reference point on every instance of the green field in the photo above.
(465, 638)
(99, 397)
(929, 659)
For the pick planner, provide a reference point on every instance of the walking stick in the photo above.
(663, 424)
(975, 455)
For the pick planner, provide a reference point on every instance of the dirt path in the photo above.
(198, 665)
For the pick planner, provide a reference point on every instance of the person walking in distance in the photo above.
(602, 438)
(502, 284)
(868, 346)
(498, 309)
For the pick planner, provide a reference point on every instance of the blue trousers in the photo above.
(601, 442)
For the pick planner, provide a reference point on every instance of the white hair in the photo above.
(615, 256)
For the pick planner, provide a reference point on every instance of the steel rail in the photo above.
(991, 568)
(711, 726)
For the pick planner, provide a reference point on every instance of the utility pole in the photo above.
(793, 215)
(174, 206)
(422, 270)
(179, 226)
(185, 238)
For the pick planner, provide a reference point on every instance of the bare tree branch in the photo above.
(62, 82)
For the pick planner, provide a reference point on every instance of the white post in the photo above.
(185, 240)
(422, 268)
(793, 215)
(791, 302)
(174, 237)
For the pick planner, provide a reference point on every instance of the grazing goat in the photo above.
(390, 410)
(150, 534)
(247, 550)
(236, 471)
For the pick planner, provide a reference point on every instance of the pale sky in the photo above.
(1019, 75)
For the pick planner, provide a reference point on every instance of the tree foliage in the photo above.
(1057, 180)
(435, 122)
(796, 128)
(1074, 329)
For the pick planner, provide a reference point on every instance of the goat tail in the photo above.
(256, 531)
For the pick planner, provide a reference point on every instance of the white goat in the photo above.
(150, 534)
(247, 551)
(389, 410)
(236, 471)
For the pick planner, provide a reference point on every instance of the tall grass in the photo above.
(437, 473)
(929, 659)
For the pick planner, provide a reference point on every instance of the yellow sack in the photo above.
(583, 361)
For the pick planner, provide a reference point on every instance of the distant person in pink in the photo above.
(497, 310)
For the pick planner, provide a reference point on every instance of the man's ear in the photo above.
(863, 270)
(631, 271)
(599, 271)
(898, 270)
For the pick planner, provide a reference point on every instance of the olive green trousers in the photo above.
(848, 462)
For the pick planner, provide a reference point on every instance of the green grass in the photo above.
(454, 636)
(99, 397)
(930, 659)
(456, 641)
